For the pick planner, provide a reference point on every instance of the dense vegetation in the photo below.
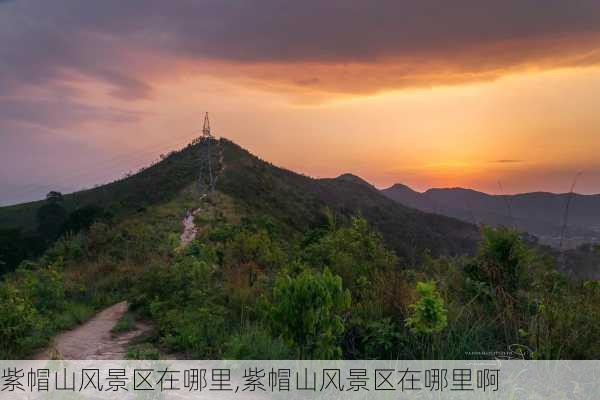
(27, 230)
(277, 271)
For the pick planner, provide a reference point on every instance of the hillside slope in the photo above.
(27, 230)
(295, 200)
(151, 185)
(299, 200)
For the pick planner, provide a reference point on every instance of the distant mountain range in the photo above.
(539, 213)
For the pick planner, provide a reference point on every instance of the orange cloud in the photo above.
(316, 81)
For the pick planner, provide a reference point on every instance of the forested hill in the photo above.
(296, 200)
(299, 201)
(150, 185)
(28, 229)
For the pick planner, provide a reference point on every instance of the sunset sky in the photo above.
(425, 93)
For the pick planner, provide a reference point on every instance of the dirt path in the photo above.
(93, 339)
(190, 230)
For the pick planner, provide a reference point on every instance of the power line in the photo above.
(566, 214)
(207, 138)
(508, 206)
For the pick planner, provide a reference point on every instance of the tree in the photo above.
(51, 218)
(307, 310)
(84, 217)
(54, 197)
(13, 249)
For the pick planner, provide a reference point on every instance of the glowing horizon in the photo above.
(403, 101)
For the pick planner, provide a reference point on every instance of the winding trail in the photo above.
(190, 230)
(93, 340)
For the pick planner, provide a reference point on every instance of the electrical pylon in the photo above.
(207, 138)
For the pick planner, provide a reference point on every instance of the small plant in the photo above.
(428, 315)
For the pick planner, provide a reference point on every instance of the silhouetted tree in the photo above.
(54, 197)
(84, 217)
(51, 217)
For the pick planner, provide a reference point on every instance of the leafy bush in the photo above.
(375, 339)
(352, 252)
(428, 315)
(45, 288)
(72, 315)
(249, 246)
(198, 331)
(502, 261)
(18, 322)
(307, 311)
(184, 301)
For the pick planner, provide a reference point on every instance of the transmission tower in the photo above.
(207, 138)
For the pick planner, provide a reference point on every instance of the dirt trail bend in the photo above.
(93, 340)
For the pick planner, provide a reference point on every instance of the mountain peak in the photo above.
(399, 187)
(348, 177)
(456, 189)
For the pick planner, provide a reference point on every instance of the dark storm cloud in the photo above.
(61, 31)
(358, 31)
(110, 41)
(55, 42)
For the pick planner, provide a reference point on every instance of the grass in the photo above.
(125, 324)
(143, 351)
(73, 315)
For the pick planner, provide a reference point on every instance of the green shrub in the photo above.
(378, 339)
(44, 287)
(254, 246)
(353, 253)
(184, 299)
(502, 261)
(69, 247)
(198, 331)
(428, 315)
(72, 315)
(19, 322)
(307, 311)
